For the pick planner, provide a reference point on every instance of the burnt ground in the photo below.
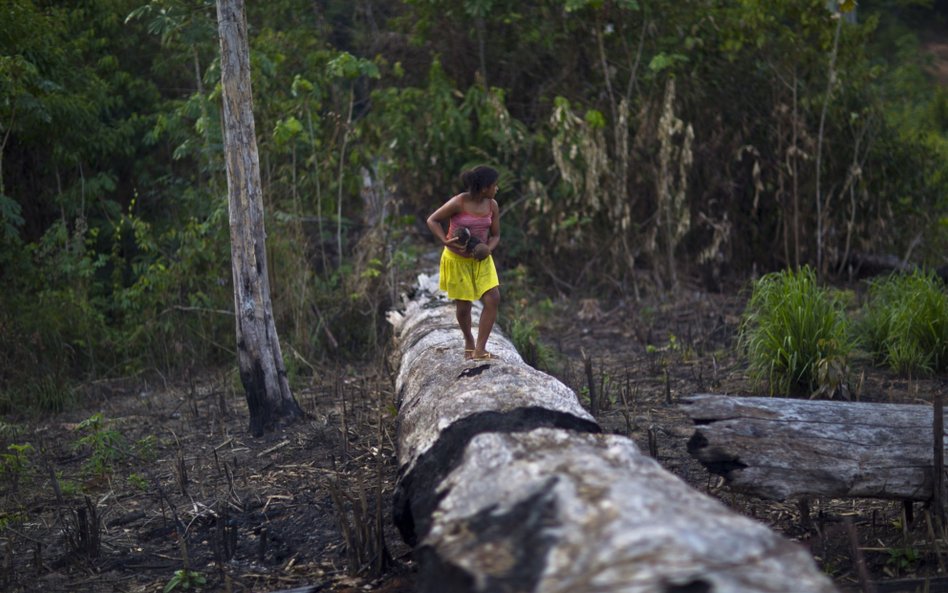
(175, 482)
(645, 356)
(171, 481)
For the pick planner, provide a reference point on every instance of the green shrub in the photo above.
(15, 463)
(521, 313)
(905, 323)
(795, 334)
(106, 445)
(526, 339)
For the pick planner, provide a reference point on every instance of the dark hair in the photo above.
(479, 178)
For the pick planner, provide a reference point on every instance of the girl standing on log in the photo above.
(467, 267)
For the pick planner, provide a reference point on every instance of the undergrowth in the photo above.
(795, 334)
(904, 324)
(522, 318)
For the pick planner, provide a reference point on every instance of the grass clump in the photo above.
(795, 335)
(905, 323)
(106, 445)
(521, 321)
(526, 339)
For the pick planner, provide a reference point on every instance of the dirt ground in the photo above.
(188, 489)
(647, 354)
(169, 484)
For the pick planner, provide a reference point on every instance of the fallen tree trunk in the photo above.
(867, 265)
(782, 448)
(505, 484)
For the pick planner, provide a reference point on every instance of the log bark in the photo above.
(506, 484)
(262, 371)
(783, 448)
(867, 265)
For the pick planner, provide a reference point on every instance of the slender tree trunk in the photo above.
(796, 180)
(319, 193)
(199, 85)
(342, 168)
(481, 50)
(3, 144)
(262, 372)
(831, 80)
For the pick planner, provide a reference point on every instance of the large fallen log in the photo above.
(782, 448)
(506, 484)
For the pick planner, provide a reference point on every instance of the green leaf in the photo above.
(10, 215)
(301, 86)
(287, 129)
(595, 119)
(574, 5)
(478, 8)
(662, 61)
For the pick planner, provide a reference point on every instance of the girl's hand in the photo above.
(448, 241)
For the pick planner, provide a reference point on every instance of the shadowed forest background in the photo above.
(653, 155)
(640, 143)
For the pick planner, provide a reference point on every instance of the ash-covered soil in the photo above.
(167, 487)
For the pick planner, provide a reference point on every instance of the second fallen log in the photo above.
(783, 448)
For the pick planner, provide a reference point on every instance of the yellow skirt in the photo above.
(465, 278)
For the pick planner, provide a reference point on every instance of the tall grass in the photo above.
(526, 339)
(904, 324)
(795, 334)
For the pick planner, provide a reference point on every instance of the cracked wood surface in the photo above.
(782, 448)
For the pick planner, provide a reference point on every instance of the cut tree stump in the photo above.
(783, 448)
(506, 484)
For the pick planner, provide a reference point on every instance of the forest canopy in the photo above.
(640, 143)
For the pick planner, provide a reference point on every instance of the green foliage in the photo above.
(8, 431)
(901, 560)
(106, 445)
(68, 488)
(15, 462)
(184, 580)
(795, 333)
(12, 519)
(521, 318)
(146, 448)
(137, 481)
(905, 323)
(526, 338)
(114, 232)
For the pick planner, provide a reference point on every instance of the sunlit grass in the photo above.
(795, 334)
(904, 324)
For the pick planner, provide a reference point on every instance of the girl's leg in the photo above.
(491, 301)
(463, 313)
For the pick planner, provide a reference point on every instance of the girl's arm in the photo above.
(494, 237)
(445, 212)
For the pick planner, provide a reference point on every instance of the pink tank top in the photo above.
(478, 225)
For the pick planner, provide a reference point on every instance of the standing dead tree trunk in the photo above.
(262, 371)
(506, 484)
